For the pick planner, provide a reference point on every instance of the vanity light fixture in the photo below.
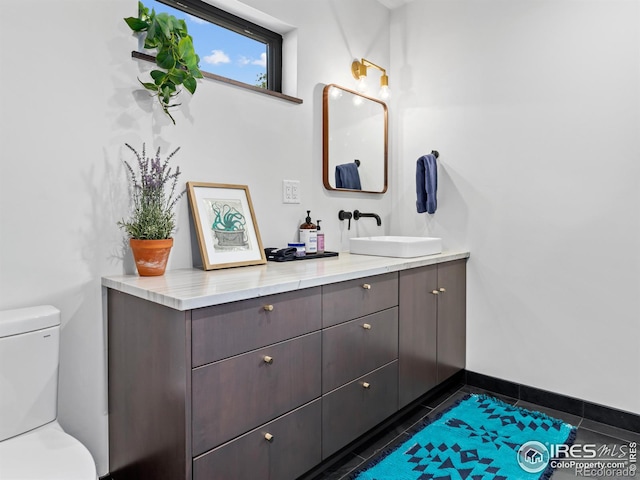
(359, 71)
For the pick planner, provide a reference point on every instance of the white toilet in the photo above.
(33, 446)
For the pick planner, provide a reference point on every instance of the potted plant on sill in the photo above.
(175, 55)
(152, 221)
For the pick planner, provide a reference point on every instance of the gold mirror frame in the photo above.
(373, 163)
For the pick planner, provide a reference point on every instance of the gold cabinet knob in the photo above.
(268, 308)
(366, 384)
(435, 292)
(442, 289)
(268, 437)
(268, 359)
(366, 326)
(366, 286)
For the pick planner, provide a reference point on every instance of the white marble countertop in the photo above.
(189, 288)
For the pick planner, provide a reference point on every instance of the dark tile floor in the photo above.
(589, 432)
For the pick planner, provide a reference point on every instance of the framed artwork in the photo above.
(225, 224)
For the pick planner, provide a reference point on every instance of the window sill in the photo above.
(212, 76)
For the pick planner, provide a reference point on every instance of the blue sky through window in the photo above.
(221, 51)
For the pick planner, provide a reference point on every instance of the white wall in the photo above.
(71, 100)
(535, 109)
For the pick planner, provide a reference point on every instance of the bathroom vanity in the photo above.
(263, 372)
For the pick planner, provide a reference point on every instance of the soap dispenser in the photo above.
(309, 235)
(320, 236)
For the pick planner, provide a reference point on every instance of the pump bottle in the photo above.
(320, 236)
(309, 235)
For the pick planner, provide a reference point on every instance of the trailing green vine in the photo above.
(175, 54)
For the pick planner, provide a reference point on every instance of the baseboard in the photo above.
(575, 406)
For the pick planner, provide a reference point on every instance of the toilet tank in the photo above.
(29, 346)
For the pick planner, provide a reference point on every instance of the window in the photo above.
(228, 45)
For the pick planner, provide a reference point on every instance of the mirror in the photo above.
(354, 141)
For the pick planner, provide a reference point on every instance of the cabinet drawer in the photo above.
(355, 298)
(294, 448)
(230, 329)
(351, 349)
(232, 396)
(352, 410)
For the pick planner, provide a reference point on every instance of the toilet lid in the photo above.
(46, 453)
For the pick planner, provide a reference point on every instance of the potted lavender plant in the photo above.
(152, 221)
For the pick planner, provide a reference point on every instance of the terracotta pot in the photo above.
(151, 255)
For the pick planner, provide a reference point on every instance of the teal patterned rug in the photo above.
(479, 438)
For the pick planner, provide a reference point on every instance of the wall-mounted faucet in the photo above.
(343, 215)
(357, 215)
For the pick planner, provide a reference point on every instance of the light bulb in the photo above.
(384, 86)
(362, 85)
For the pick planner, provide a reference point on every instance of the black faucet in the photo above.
(357, 214)
(343, 215)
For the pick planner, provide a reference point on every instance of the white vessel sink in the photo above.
(395, 246)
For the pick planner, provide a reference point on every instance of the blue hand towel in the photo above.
(347, 176)
(427, 184)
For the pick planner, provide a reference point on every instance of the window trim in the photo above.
(150, 58)
(232, 22)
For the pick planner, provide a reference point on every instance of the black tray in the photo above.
(306, 257)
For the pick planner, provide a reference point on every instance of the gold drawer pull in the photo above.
(268, 437)
(366, 384)
(366, 326)
(268, 308)
(435, 292)
(442, 289)
(268, 359)
(366, 286)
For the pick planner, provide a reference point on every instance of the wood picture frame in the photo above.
(225, 225)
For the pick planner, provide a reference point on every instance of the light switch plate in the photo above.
(290, 191)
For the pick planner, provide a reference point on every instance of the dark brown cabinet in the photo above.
(233, 328)
(233, 396)
(269, 387)
(284, 448)
(358, 406)
(452, 318)
(353, 348)
(418, 333)
(229, 391)
(359, 357)
(432, 327)
(355, 298)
